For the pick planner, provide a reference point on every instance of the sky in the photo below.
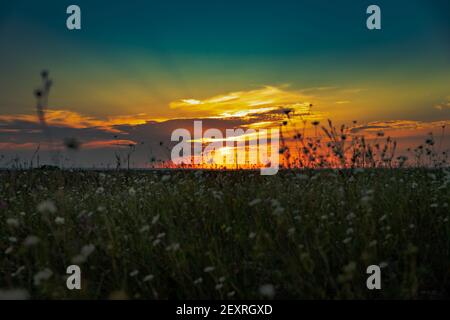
(138, 69)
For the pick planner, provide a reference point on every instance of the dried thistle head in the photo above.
(44, 74)
(72, 143)
(38, 93)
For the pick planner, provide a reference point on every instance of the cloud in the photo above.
(445, 105)
(71, 119)
(391, 125)
(24, 131)
(244, 103)
(99, 144)
(11, 146)
(343, 102)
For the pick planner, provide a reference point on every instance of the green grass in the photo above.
(306, 234)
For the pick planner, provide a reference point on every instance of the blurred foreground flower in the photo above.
(46, 206)
(31, 241)
(148, 278)
(41, 276)
(254, 202)
(12, 222)
(209, 269)
(84, 254)
(59, 220)
(267, 290)
(14, 294)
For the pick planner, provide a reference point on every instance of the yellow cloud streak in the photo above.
(241, 103)
(66, 118)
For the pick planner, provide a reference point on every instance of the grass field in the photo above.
(225, 235)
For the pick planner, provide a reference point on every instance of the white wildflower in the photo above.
(41, 276)
(231, 294)
(209, 269)
(59, 220)
(12, 222)
(87, 250)
(267, 290)
(173, 247)
(275, 203)
(347, 240)
(155, 219)
(148, 278)
(350, 216)
(134, 273)
(31, 241)
(18, 271)
(254, 202)
(278, 211)
(46, 206)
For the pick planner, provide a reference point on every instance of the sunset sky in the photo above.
(139, 69)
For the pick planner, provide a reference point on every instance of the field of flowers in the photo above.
(163, 234)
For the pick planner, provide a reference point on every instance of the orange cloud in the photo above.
(95, 144)
(70, 119)
(244, 103)
(11, 146)
(390, 125)
(107, 144)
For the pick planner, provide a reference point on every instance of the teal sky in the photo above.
(158, 51)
